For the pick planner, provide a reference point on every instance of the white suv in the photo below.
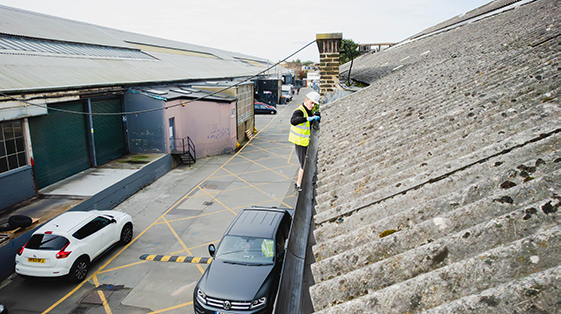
(67, 244)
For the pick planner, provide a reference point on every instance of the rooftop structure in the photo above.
(439, 184)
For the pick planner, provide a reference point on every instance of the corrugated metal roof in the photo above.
(10, 44)
(41, 52)
(36, 25)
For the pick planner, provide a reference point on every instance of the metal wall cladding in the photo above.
(59, 141)
(109, 136)
(16, 186)
(146, 131)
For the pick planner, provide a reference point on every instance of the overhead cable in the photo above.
(162, 108)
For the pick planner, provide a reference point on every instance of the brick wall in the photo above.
(329, 46)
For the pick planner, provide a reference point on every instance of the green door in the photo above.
(60, 147)
(109, 137)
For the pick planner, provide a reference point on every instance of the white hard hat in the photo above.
(313, 96)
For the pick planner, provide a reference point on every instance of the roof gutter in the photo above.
(289, 298)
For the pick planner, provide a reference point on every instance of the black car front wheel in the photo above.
(79, 270)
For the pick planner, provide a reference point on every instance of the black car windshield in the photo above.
(246, 250)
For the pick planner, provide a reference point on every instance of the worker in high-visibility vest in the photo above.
(300, 131)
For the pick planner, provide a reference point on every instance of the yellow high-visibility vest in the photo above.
(300, 134)
(268, 247)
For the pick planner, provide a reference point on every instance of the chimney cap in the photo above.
(329, 36)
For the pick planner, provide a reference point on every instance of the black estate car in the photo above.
(244, 274)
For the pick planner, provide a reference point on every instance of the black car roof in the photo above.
(257, 222)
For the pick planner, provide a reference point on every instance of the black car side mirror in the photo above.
(211, 250)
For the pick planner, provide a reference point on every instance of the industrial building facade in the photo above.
(70, 101)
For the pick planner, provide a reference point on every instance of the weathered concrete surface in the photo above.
(439, 183)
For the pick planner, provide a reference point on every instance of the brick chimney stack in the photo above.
(329, 46)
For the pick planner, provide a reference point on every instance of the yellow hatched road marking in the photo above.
(102, 297)
(155, 222)
(258, 189)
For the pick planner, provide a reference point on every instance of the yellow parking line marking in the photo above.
(268, 151)
(207, 214)
(263, 202)
(172, 308)
(219, 202)
(290, 156)
(266, 168)
(256, 171)
(181, 242)
(177, 237)
(258, 189)
(121, 267)
(66, 296)
(102, 267)
(104, 301)
(102, 297)
(198, 246)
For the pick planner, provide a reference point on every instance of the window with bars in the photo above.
(245, 103)
(12, 146)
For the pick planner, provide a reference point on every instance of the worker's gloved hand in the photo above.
(314, 118)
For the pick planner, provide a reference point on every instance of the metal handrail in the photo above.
(191, 149)
(184, 146)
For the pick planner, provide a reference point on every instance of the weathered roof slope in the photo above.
(439, 184)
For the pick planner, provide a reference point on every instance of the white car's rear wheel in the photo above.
(79, 270)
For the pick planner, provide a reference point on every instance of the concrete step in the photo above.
(508, 263)
(453, 248)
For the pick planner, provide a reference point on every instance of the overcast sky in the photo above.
(268, 29)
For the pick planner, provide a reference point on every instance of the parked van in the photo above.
(287, 94)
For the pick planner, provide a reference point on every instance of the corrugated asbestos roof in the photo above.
(40, 52)
(439, 185)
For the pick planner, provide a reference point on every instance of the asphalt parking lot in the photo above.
(178, 215)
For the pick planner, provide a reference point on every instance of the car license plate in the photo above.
(220, 312)
(36, 260)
